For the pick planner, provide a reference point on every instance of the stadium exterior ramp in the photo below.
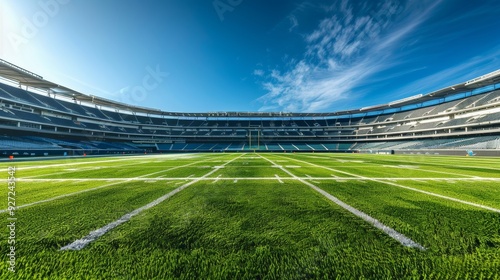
(38, 117)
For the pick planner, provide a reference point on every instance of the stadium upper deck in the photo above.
(31, 80)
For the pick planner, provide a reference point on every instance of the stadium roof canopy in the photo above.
(24, 77)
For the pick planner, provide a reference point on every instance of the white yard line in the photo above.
(162, 178)
(447, 164)
(121, 180)
(64, 195)
(93, 235)
(79, 170)
(218, 177)
(409, 188)
(414, 167)
(74, 163)
(441, 196)
(278, 177)
(376, 223)
(128, 158)
(78, 192)
(448, 173)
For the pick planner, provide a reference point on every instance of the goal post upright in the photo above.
(254, 139)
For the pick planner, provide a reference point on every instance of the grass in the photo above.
(220, 228)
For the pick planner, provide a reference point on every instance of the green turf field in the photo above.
(253, 216)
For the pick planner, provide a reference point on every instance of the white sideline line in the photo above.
(449, 173)
(376, 223)
(461, 161)
(79, 170)
(111, 159)
(65, 195)
(216, 179)
(74, 163)
(425, 170)
(75, 193)
(442, 196)
(278, 177)
(93, 235)
(162, 178)
(410, 188)
(92, 189)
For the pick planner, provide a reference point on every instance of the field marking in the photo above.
(75, 163)
(93, 235)
(345, 160)
(216, 179)
(79, 192)
(318, 157)
(110, 159)
(122, 180)
(333, 178)
(409, 188)
(309, 177)
(405, 241)
(279, 179)
(64, 195)
(73, 170)
(248, 166)
(449, 173)
(438, 162)
(415, 167)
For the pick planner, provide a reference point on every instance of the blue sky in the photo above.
(242, 55)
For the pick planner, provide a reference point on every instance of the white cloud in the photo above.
(87, 86)
(294, 22)
(258, 72)
(461, 72)
(351, 44)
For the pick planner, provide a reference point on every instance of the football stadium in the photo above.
(400, 190)
(100, 188)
